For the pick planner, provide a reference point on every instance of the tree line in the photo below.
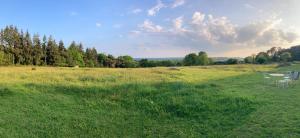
(19, 48)
(275, 55)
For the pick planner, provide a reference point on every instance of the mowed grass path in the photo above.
(216, 101)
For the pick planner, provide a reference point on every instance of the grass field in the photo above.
(216, 101)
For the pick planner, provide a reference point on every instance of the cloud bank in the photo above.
(220, 31)
(216, 34)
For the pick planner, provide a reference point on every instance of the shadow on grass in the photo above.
(4, 92)
(170, 108)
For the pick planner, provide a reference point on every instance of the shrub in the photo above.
(232, 61)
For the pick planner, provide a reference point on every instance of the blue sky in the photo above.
(161, 28)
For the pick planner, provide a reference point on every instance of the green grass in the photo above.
(215, 101)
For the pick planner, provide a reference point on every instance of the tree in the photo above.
(52, 52)
(203, 58)
(91, 57)
(126, 62)
(44, 51)
(295, 51)
(101, 59)
(37, 50)
(27, 49)
(273, 53)
(166, 63)
(2, 57)
(147, 63)
(75, 55)
(232, 61)
(285, 57)
(262, 58)
(17, 48)
(63, 54)
(191, 60)
(110, 61)
(10, 42)
(143, 63)
(194, 59)
(249, 60)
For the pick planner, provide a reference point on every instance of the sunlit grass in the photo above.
(213, 101)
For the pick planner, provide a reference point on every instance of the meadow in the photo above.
(210, 101)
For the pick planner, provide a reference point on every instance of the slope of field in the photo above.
(217, 101)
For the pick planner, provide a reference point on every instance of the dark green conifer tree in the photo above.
(37, 50)
(52, 52)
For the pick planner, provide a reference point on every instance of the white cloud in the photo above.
(178, 3)
(213, 29)
(98, 24)
(149, 26)
(219, 34)
(136, 11)
(198, 18)
(156, 8)
(178, 25)
(221, 31)
(251, 31)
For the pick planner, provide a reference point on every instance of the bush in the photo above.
(232, 61)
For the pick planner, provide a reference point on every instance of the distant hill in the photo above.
(181, 58)
(161, 59)
(225, 58)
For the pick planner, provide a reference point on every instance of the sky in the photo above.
(161, 28)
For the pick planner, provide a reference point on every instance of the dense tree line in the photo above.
(275, 55)
(193, 59)
(19, 48)
(159, 63)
